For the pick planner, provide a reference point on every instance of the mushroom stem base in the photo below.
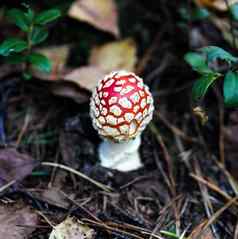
(120, 156)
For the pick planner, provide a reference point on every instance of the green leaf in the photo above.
(11, 45)
(15, 59)
(47, 16)
(26, 75)
(201, 85)
(19, 18)
(230, 89)
(234, 11)
(30, 15)
(214, 52)
(197, 62)
(194, 15)
(39, 34)
(40, 62)
(200, 14)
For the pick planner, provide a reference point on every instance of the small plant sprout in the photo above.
(121, 107)
(34, 27)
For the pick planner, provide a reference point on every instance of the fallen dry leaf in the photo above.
(52, 196)
(216, 4)
(112, 56)
(85, 76)
(104, 59)
(14, 165)
(17, 223)
(101, 14)
(71, 228)
(115, 56)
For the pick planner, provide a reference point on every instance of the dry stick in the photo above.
(170, 169)
(230, 178)
(46, 219)
(64, 167)
(109, 228)
(147, 56)
(24, 128)
(219, 212)
(212, 186)
(8, 185)
(80, 206)
(112, 227)
(206, 200)
(162, 213)
(176, 130)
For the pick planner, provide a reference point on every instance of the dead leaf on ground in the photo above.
(103, 59)
(115, 56)
(71, 228)
(112, 56)
(14, 165)
(101, 14)
(52, 196)
(85, 76)
(17, 223)
(216, 4)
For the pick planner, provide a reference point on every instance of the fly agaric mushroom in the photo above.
(121, 107)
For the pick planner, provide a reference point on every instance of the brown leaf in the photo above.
(115, 56)
(102, 14)
(17, 223)
(216, 4)
(85, 76)
(71, 228)
(14, 165)
(52, 196)
(104, 59)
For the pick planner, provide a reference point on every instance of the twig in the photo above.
(212, 186)
(64, 167)
(170, 170)
(24, 128)
(4, 187)
(176, 130)
(206, 200)
(219, 212)
(46, 219)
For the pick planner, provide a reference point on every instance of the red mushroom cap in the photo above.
(121, 106)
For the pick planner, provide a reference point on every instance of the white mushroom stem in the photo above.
(122, 156)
